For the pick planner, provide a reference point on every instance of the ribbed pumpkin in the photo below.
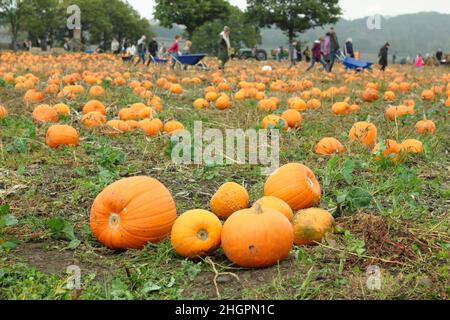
(223, 102)
(412, 146)
(365, 132)
(390, 151)
(201, 104)
(293, 118)
(230, 197)
(257, 237)
(425, 126)
(45, 113)
(277, 205)
(132, 212)
(150, 127)
(93, 119)
(329, 146)
(62, 109)
(273, 121)
(94, 105)
(295, 184)
(61, 135)
(196, 233)
(173, 126)
(311, 225)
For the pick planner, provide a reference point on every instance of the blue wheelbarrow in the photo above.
(184, 60)
(353, 64)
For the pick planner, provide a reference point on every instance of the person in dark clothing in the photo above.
(348, 48)
(383, 56)
(394, 58)
(334, 48)
(439, 56)
(152, 49)
(141, 47)
(317, 56)
(224, 47)
(307, 54)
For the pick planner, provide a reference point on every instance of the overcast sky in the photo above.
(352, 8)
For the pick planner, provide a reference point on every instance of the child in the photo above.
(174, 50)
(317, 56)
(419, 63)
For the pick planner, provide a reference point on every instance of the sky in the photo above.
(352, 9)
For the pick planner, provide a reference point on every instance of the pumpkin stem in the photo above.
(114, 221)
(258, 208)
(202, 235)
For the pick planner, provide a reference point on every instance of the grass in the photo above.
(394, 217)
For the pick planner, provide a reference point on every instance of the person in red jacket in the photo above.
(174, 50)
(317, 56)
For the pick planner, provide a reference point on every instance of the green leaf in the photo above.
(74, 244)
(150, 287)
(360, 198)
(61, 229)
(4, 209)
(347, 171)
(9, 245)
(171, 282)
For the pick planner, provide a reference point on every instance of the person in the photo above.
(141, 47)
(152, 49)
(130, 53)
(317, 56)
(334, 48)
(66, 45)
(115, 46)
(419, 62)
(293, 56)
(224, 47)
(439, 56)
(298, 47)
(307, 54)
(174, 50)
(348, 48)
(383, 56)
(325, 48)
(187, 47)
(394, 58)
(281, 53)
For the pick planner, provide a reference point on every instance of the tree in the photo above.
(190, 13)
(11, 12)
(294, 16)
(243, 33)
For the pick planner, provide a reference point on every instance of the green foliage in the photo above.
(61, 229)
(243, 33)
(190, 13)
(292, 16)
(7, 220)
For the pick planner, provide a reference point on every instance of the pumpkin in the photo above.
(196, 233)
(293, 118)
(58, 135)
(45, 113)
(119, 126)
(94, 105)
(341, 108)
(257, 237)
(314, 104)
(128, 114)
(176, 89)
(425, 126)
(62, 109)
(329, 146)
(390, 151)
(150, 127)
(93, 119)
(96, 91)
(274, 121)
(370, 95)
(211, 96)
(132, 212)
(297, 104)
(389, 96)
(146, 112)
(427, 95)
(3, 112)
(223, 102)
(267, 105)
(230, 197)
(295, 184)
(365, 132)
(412, 146)
(33, 95)
(312, 225)
(201, 104)
(277, 205)
(172, 127)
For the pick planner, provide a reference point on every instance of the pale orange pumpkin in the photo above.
(312, 225)
(45, 113)
(277, 205)
(230, 197)
(365, 132)
(329, 146)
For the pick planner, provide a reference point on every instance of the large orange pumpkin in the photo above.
(196, 233)
(59, 135)
(45, 113)
(295, 184)
(329, 146)
(257, 237)
(94, 105)
(132, 212)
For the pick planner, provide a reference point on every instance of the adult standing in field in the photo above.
(115, 46)
(141, 47)
(439, 56)
(325, 48)
(383, 56)
(334, 48)
(174, 50)
(307, 54)
(293, 56)
(348, 49)
(317, 56)
(224, 47)
(152, 49)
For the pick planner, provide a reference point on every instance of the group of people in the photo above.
(325, 51)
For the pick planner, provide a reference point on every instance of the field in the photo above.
(390, 214)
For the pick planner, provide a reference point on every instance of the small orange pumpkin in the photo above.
(277, 205)
(329, 146)
(312, 225)
(365, 132)
(230, 197)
